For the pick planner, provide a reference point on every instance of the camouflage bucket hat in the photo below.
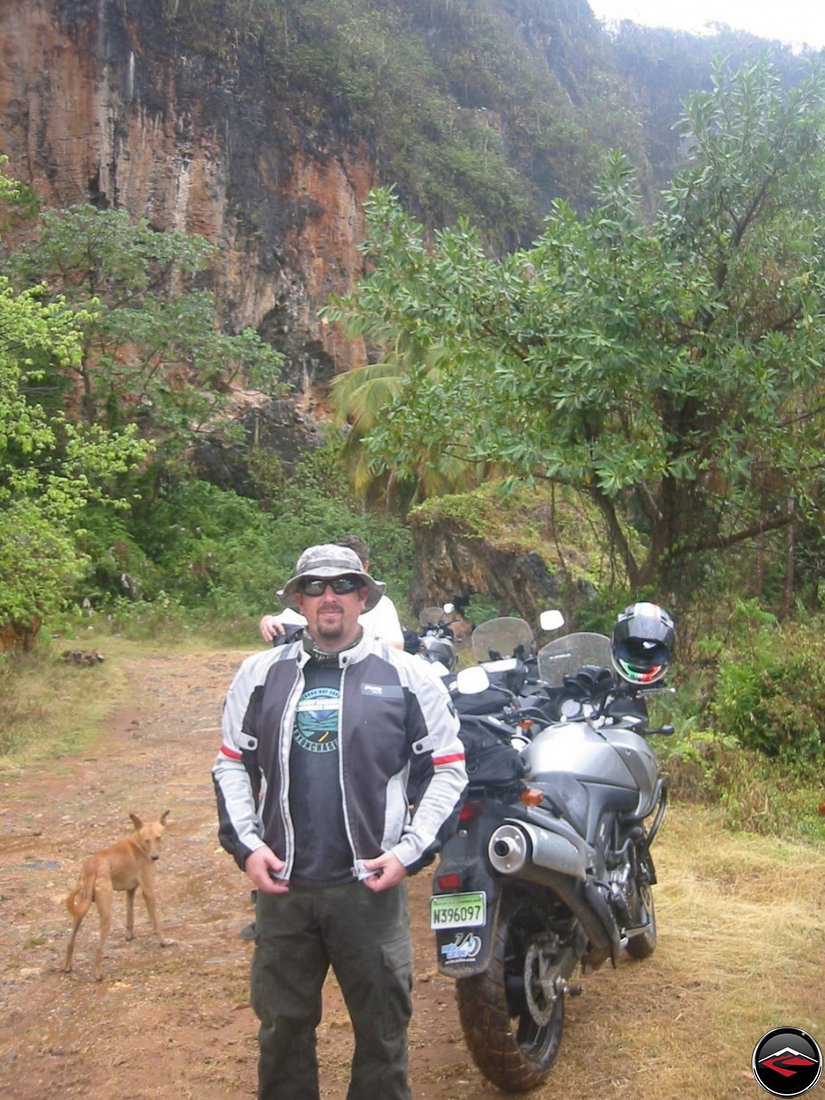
(329, 560)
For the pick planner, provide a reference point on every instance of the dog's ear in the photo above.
(164, 816)
(138, 824)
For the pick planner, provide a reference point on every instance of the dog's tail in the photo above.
(81, 897)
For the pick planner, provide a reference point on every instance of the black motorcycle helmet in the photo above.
(642, 643)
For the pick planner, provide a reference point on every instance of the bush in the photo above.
(202, 553)
(116, 565)
(38, 563)
(747, 790)
(770, 693)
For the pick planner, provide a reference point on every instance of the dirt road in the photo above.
(175, 1023)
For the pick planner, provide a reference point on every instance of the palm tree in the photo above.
(360, 397)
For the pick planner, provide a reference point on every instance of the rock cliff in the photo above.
(98, 103)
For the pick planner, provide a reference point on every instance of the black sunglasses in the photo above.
(316, 586)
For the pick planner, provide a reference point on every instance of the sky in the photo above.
(791, 21)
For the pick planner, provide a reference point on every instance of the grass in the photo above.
(745, 790)
(741, 943)
(50, 708)
(748, 912)
(741, 916)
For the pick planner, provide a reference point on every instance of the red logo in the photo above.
(787, 1062)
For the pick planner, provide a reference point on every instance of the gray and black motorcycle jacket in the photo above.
(395, 714)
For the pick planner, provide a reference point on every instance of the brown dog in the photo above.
(124, 865)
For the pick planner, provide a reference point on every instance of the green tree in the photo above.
(149, 361)
(360, 397)
(49, 467)
(153, 352)
(669, 370)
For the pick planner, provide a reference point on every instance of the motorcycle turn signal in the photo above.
(531, 796)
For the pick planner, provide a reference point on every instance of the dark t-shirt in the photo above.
(323, 856)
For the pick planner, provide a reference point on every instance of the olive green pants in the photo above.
(365, 937)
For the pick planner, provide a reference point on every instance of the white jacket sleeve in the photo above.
(239, 824)
(449, 776)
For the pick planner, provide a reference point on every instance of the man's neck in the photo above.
(322, 652)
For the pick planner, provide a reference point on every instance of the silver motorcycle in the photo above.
(549, 871)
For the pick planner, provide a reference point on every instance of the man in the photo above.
(311, 778)
(381, 620)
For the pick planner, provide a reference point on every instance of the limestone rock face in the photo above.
(452, 565)
(98, 104)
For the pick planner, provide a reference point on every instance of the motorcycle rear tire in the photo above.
(505, 1042)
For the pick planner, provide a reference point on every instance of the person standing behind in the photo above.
(382, 620)
(311, 777)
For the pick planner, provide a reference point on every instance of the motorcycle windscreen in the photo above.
(507, 636)
(565, 656)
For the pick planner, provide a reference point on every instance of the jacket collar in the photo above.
(356, 652)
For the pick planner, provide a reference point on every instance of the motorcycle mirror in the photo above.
(551, 620)
(472, 681)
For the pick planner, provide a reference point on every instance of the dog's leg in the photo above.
(78, 903)
(67, 965)
(130, 913)
(103, 901)
(149, 898)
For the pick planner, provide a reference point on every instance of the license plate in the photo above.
(458, 910)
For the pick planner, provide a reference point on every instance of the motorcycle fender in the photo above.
(463, 952)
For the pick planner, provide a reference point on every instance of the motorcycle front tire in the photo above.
(643, 946)
(507, 1045)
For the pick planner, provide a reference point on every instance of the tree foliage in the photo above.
(152, 351)
(360, 398)
(664, 66)
(670, 370)
(112, 363)
(49, 467)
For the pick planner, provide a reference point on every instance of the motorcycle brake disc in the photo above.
(540, 977)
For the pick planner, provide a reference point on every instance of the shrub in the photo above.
(748, 790)
(205, 553)
(770, 693)
(38, 563)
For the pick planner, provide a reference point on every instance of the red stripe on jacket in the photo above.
(440, 761)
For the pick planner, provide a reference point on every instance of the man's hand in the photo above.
(270, 628)
(262, 866)
(386, 871)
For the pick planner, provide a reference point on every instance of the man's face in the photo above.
(332, 616)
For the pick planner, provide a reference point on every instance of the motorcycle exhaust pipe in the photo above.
(522, 851)
(513, 848)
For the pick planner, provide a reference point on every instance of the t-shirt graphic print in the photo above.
(316, 721)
